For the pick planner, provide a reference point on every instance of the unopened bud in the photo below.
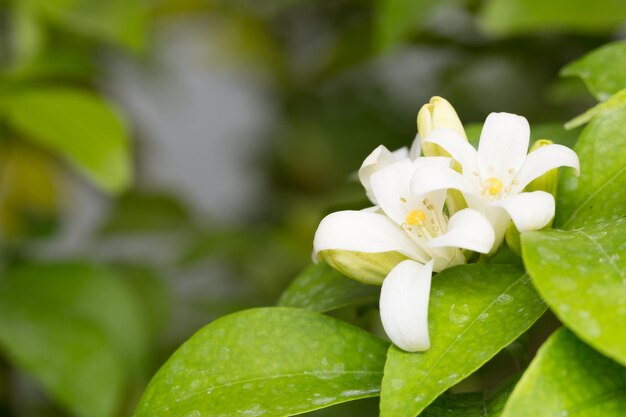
(368, 268)
(437, 114)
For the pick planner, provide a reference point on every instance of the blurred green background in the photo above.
(166, 162)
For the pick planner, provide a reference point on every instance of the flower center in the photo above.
(416, 218)
(493, 185)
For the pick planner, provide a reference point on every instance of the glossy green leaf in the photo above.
(505, 17)
(77, 125)
(472, 404)
(321, 288)
(581, 271)
(616, 101)
(601, 149)
(267, 361)
(76, 330)
(568, 378)
(121, 22)
(603, 70)
(475, 311)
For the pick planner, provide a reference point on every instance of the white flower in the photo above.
(411, 225)
(494, 177)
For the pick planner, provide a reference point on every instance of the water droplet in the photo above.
(504, 299)
(324, 400)
(459, 315)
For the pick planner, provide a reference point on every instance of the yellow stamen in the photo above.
(416, 217)
(493, 185)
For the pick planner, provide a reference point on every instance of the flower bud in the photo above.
(368, 268)
(437, 114)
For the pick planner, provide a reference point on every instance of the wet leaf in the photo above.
(580, 271)
(568, 378)
(475, 311)
(267, 361)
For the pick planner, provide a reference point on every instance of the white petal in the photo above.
(434, 178)
(378, 159)
(391, 189)
(458, 147)
(529, 211)
(436, 198)
(363, 231)
(416, 148)
(400, 154)
(542, 160)
(503, 145)
(467, 229)
(404, 305)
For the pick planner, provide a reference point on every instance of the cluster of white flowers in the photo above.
(428, 209)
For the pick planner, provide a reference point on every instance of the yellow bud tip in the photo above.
(416, 218)
(493, 185)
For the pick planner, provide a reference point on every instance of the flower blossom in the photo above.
(493, 178)
(400, 241)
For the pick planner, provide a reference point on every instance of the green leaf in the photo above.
(396, 19)
(580, 271)
(475, 311)
(321, 288)
(616, 101)
(473, 404)
(75, 329)
(121, 22)
(267, 361)
(601, 149)
(507, 17)
(603, 70)
(568, 378)
(77, 125)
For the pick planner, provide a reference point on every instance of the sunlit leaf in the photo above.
(568, 378)
(76, 330)
(268, 361)
(77, 125)
(321, 288)
(603, 70)
(475, 311)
